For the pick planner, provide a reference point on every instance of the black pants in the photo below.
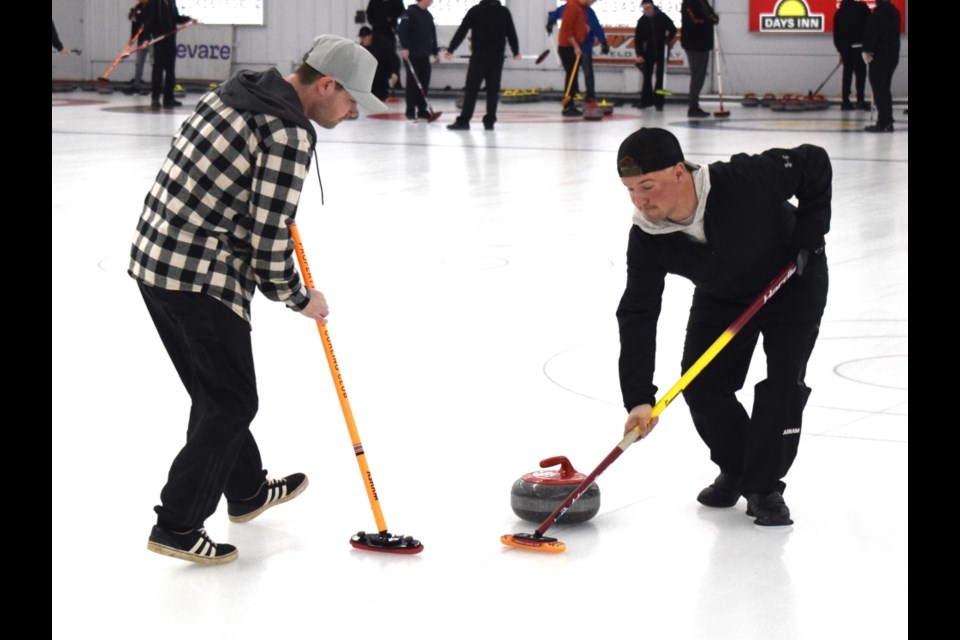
(210, 348)
(416, 100)
(881, 78)
(758, 448)
(853, 68)
(569, 60)
(482, 70)
(698, 61)
(163, 77)
(648, 93)
(586, 63)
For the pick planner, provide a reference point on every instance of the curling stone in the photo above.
(593, 111)
(606, 106)
(750, 100)
(537, 494)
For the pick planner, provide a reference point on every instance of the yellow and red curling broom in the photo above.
(537, 541)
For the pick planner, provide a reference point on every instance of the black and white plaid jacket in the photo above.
(217, 218)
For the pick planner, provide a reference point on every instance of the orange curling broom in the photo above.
(573, 76)
(383, 540)
(123, 53)
(539, 542)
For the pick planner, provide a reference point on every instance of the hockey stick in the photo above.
(383, 540)
(433, 114)
(537, 541)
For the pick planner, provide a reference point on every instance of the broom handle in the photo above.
(694, 370)
(341, 391)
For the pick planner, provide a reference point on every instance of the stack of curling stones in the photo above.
(537, 494)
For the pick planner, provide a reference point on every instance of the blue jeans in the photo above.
(141, 61)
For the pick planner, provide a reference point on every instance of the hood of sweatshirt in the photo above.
(266, 92)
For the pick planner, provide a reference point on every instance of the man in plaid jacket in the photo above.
(214, 229)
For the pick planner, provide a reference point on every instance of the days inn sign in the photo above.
(803, 16)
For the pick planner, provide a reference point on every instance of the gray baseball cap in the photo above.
(350, 64)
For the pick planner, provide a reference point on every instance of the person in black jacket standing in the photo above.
(881, 51)
(418, 42)
(384, 16)
(388, 64)
(161, 17)
(730, 229)
(654, 33)
(491, 28)
(696, 37)
(848, 25)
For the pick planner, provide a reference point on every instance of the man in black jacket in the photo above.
(491, 27)
(161, 18)
(696, 37)
(418, 42)
(848, 25)
(384, 50)
(730, 229)
(881, 50)
(655, 33)
(384, 16)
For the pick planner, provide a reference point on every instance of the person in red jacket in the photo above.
(573, 30)
(730, 228)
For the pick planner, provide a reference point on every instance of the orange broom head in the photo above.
(532, 542)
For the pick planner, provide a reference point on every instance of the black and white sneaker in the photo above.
(193, 545)
(271, 493)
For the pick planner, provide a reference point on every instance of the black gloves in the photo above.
(549, 27)
(804, 255)
(605, 49)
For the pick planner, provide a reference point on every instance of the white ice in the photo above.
(473, 278)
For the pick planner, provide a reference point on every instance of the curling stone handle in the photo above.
(566, 468)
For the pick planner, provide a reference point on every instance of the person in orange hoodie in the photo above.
(573, 29)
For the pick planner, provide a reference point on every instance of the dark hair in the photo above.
(365, 31)
(308, 75)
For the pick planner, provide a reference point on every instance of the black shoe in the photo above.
(847, 106)
(697, 113)
(271, 493)
(193, 545)
(659, 107)
(488, 125)
(769, 509)
(459, 126)
(722, 493)
(879, 128)
(863, 106)
(154, 104)
(572, 112)
(171, 104)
